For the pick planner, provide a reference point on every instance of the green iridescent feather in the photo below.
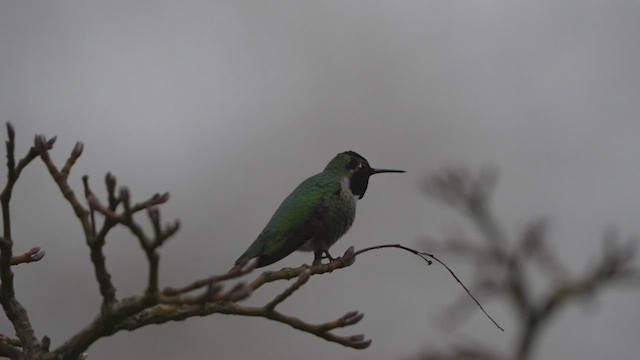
(295, 220)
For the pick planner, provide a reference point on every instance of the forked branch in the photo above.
(218, 294)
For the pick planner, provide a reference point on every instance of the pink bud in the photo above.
(154, 214)
(77, 150)
(51, 142)
(39, 143)
(36, 254)
(125, 195)
(110, 180)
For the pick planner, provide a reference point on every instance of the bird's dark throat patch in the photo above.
(359, 182)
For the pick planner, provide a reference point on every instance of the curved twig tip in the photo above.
(424, 256)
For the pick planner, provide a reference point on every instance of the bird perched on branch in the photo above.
(316, 214)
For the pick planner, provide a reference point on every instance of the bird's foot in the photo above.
(317, 258)
(322, 254)
(328, 256)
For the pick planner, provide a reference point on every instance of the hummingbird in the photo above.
(316, 214)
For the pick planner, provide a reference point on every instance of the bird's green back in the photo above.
(288, 228)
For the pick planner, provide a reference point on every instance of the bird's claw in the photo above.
(346, 259)
(322, 254)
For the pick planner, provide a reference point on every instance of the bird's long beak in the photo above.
(379, 171)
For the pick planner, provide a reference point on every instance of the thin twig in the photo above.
(302, 279)
(423, 256)
(34, 254)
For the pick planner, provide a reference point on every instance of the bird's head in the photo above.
(356, 168)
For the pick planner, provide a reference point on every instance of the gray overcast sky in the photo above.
(230, 104)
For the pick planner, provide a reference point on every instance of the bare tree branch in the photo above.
(12, 307)
(199, 298)
(10, 348)
(217, 294)
(508, 279)
(96, 242)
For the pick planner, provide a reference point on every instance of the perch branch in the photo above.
(152, 306)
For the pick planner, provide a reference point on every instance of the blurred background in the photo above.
(228, 105)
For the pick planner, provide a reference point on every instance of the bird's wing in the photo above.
(289, 227)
